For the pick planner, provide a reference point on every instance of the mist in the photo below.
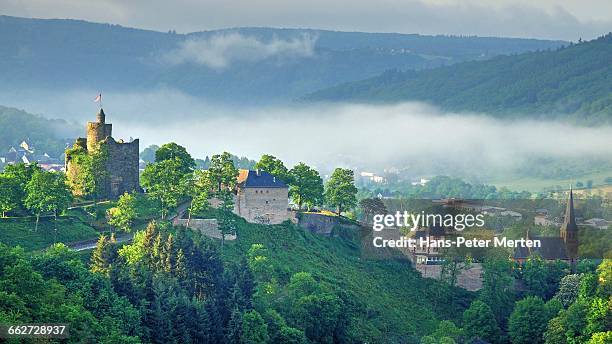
(221, 50)
(414, 137)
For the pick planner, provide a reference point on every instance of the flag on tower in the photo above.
(98, 98)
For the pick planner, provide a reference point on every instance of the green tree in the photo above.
(446, 332)
(233, 333)
(275, 167)
(497, 285)
(601, 338)
(254, 329)
(541, 277)
(123, 215)
(318, 315)
(306, 186)
(10, 193)
(604, 271)
(165, 182)
(199, 189)
(555, 332)
(22, 173)
(340, 190)
(148, 154)
(479, 322)
(599, 318)
(47, 192)
(575, 321)
(222, 172)
(103, 255)
(172, 151)
(371, 207)
(528, 321)
(290, 335)
(553, 306)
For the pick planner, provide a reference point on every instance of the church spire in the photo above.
(570, 217)
(569, 229)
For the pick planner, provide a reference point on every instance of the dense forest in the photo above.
(573, 80)
(133, 60)
(269, 283)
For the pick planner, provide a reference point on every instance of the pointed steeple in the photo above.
(570, 217)
(569, 229)
(101, 116)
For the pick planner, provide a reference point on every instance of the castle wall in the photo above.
(122, 167)
(263, 205)
(208, 227)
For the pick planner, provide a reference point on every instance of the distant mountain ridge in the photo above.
(59, 54)
(574, 81)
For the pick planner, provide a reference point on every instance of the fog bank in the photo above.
(410, 136)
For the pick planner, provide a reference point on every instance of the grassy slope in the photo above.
(397, 301)
(21, 232)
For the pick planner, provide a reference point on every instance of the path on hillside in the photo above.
(123, 237)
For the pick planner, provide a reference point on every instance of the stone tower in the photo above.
(120, 163)
(569, 229)
(98, 131)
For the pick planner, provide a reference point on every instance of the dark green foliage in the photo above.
(479, 322)
(542, 278)
(166, 182)
(371, 207)
(254, 329)
(552, 307)
(222, 172)
(172, 151)
(240, 162)
(47, 192)
(274, 166)
(573, 80)
(528, 321)
(103, 255)
(10, 193)
(21, 174)
(340, 190)
(497, 289)
(56, 287)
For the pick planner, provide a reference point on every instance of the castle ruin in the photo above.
(120, 163)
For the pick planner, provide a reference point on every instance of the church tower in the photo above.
(569, 229)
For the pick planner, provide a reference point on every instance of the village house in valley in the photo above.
(261, 197)
(121, 162)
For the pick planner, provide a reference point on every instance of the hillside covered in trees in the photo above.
(303, 60)
(46, 135)
(269, 283)
(575, 80)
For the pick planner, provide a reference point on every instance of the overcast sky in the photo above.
(556, 19)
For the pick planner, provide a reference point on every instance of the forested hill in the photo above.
(575, 80)
(239, 65)
(46, 135)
